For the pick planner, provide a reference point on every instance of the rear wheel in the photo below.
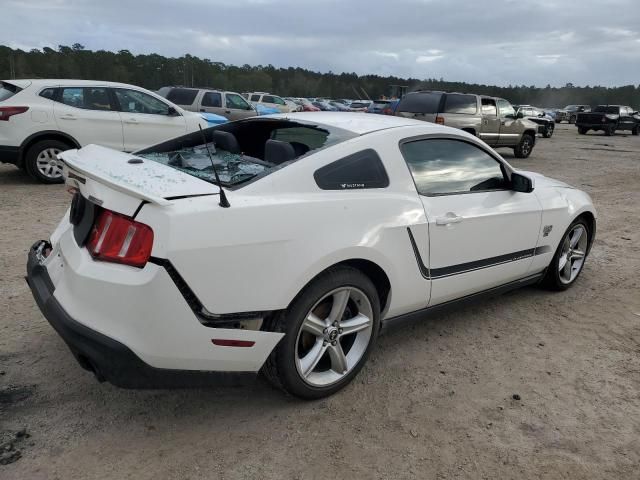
(41, 161)
(548, 131)
(583, 130)
(609, 130)
(569, 258)
(329, 330)
(572, 119)
(558, 120)
(525, 147)
(634, 130)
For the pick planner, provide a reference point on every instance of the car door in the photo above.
(626, 120)
(510, 128)
(211, 102)
(236, 107)
(490, 131)
(89, 115)
(482, 234)
(146, 120)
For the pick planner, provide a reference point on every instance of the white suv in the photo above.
(41, 118)
(269, 100)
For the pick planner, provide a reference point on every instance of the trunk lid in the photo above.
(109, 179)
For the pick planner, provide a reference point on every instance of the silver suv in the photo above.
(492, 119)
(230, 105)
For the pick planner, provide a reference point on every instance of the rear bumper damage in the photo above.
(111, 360)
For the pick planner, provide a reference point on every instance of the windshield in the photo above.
(244, 150)
(607, 109)
(571, 108)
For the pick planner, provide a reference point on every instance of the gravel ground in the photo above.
(531, 384)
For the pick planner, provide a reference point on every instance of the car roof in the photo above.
(362, 123)
(52, 82)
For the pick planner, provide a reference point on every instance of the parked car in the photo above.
(365, 221)
(492, 119)
(609, 119)
(230, 105)
(307, 106)
(378, 106)
(40, 118)
(341, 107)
(293, 105)
(324, 106)
(263, 109)
(570, 113)
(270, 100)
(390, 109)
(359, 105)
(546, 124)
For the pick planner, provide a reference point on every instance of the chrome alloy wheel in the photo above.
(48, 164)
(574, 250)
(334, 336)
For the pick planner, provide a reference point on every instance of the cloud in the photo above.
(491, 42)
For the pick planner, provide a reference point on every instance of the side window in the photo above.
(420, 102)
(278, 101)
(310, 138)
(212, 99)
(182, 96)
(49, 93)
(132, 101)
(268, 99)
(489, 107)
(444, 166)
(89, 98)
(236, 101)
(455, 103)
(360, 170)
(255, 98)
(505, 108)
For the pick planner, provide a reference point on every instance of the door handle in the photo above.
(448, 219)
(202, 109)
(227, 111)
(131, 121)
(67, 117)
(503, 122)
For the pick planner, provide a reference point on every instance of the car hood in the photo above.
(542, 181)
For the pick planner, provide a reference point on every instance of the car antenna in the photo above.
(224, 203)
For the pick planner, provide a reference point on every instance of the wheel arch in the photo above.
(45, 135)
(470, 130)
(371, 269)
(590, 218)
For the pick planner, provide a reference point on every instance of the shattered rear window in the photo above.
(233, 168)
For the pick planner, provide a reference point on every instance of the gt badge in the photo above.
(547, 230)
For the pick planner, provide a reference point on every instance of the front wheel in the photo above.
(330, 329)
(525, 147)
(583, 130)
(569, 258)
(548, 132)
(572, 119)
(634, 130)
(609, 130)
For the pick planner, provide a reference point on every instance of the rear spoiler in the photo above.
(77, 172)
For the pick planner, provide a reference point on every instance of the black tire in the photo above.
(572, 119)
(609, 130)
(635, 130)
(31, 158)
(280, 368)
(551, 279)
(525, 147)
(558, 120)
(548, 131)
(583, 130)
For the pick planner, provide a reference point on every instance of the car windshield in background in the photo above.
(422, 102)
(607, 109)
(7, 90)
(244, 150)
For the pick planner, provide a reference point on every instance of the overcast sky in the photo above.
(500, 42)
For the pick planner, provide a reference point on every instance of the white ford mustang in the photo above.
(323, 229)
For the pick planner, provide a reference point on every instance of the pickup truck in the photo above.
(570, 113)
(609, 119)
(492, 119)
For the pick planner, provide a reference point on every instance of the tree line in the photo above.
(153, 71)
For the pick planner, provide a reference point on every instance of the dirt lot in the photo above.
(435, 400)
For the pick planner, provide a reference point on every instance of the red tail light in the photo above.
(440, 120)
(8, 112)
(118, 239)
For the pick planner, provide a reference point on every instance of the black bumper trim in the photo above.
(107, 358)
(9, 154)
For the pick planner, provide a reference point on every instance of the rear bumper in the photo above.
(9, 154)
(107, 358)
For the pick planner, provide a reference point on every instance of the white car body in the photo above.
(113, 125)
(270, 100)
(282, 231)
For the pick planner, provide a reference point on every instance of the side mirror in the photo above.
(519, 115)
(520, 183)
